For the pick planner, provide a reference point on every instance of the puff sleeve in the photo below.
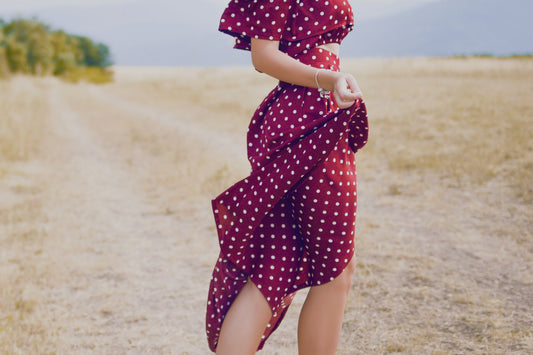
(263, 19)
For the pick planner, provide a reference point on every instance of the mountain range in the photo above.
(163, 32)
(448, 28)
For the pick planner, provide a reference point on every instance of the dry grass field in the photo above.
(107, 239)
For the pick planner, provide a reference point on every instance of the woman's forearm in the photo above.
(267, 59)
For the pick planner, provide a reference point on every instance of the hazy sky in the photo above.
(32, 4)
(169, 22)
(366, 8)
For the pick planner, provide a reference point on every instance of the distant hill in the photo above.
(448, 27)
(165, 32)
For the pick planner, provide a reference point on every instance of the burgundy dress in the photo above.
(290, 224)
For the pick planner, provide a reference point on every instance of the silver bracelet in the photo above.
(323, 92)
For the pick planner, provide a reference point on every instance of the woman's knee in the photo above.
(244, 323)
(345, 278)
(350, 268)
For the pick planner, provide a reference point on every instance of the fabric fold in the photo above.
(239, 210)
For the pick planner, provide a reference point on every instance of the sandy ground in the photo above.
(108, 240)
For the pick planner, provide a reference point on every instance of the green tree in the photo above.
(94, 55)
(19, 29)
(17, 55)
(4, 65)
(28, 46)
(66, 52)
(105, 54)
(18, 34)
(40, 51)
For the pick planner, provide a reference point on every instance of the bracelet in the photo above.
(323, 92)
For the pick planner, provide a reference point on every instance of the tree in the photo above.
(28, 46)
(40, 51)
(94, 55)
(105, 54)
(66, 52)
(19, 29)
(17, 55)
(4, 65)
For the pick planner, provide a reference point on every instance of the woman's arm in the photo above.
(268, 59)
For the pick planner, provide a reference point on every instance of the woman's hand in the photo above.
(343, 85)
(346, 91)
(267, 59)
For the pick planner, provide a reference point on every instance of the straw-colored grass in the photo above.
(22, 119)
(107, 239)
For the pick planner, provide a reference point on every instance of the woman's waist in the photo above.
(333, 48)
(324, 56)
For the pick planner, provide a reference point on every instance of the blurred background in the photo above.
(184, 33)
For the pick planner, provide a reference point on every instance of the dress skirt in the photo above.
(291, 223)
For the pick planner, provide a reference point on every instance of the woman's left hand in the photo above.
(346, 90)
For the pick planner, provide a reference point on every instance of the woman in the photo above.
(290, 224)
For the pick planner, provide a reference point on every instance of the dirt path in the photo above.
(122, 280)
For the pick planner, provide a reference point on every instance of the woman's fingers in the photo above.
(354, 87)
(346, 91)
(343, 101)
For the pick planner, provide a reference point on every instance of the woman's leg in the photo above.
(320, 323)
(244, 323)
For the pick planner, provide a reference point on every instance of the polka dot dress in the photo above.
(291, 223)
